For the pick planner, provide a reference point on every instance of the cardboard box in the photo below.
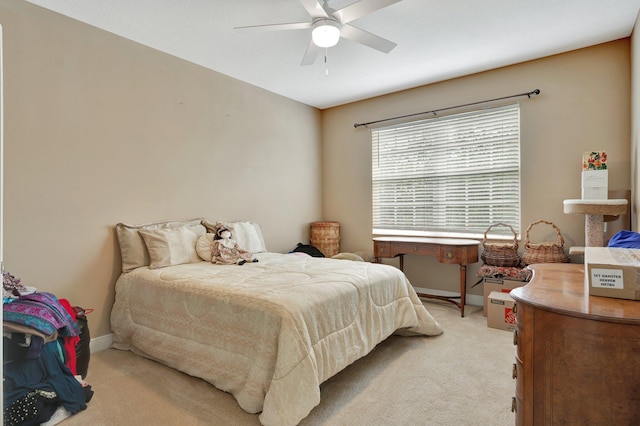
(500, 313)
(498, 284)
(612, 272)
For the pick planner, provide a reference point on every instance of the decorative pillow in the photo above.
(366, 255)
(348, 256)
(247, 234)
(173, 246)
(204, 246)
(132, 247)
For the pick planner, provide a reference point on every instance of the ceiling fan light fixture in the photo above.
(325, 33)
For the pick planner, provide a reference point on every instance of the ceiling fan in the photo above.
(329, 25)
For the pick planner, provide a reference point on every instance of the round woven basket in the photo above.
(545, 252)
(503, 254)
(326, 237)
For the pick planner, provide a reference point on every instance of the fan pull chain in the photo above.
(326, 68)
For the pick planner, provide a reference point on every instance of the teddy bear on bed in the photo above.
(226, 251)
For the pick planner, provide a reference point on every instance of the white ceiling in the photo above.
(437, 39)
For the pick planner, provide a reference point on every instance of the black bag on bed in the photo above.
(309, 249)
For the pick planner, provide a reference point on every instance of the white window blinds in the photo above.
(452, 175)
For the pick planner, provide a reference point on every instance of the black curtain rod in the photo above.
(435, 111)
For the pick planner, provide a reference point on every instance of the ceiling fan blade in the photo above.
(314, 8)
(311, 54)
(366, 38)
(360, 9)
(277, 27)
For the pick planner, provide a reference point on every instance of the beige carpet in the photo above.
(462, 377)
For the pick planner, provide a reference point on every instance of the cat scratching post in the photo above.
(595, 211)
(594, 204)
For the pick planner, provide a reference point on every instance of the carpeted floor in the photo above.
(462, 377)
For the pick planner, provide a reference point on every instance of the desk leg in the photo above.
(463, 288)
(463, 292)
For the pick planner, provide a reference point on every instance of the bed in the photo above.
(268, 332)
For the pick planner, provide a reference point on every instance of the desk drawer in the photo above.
(458, 255)
(395, 248)
(383, 249)
(451, 254)
(416, 248)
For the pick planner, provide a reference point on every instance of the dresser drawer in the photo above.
(518, 375)
(517, 407)
(518, 336)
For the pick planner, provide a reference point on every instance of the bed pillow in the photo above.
(247, 234)
(204, 246)
(132, 247)
(171, 246)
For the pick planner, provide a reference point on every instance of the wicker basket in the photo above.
(326, 237)
(545, 252)
(500, 253)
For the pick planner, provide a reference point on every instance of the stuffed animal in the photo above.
(226, 251)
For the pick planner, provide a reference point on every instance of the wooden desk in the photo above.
(446, 250)
(577, 357)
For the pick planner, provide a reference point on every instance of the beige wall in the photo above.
(100, 130)
(584, 105)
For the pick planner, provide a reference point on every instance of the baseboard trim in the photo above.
(470, 299)
(101, 343)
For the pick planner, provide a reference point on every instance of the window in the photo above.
(448, 176)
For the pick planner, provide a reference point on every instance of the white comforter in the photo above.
(268, 332)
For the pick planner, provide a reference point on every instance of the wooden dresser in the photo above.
(578, 356)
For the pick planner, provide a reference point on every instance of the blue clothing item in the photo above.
(47, 373)
(625, 239)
